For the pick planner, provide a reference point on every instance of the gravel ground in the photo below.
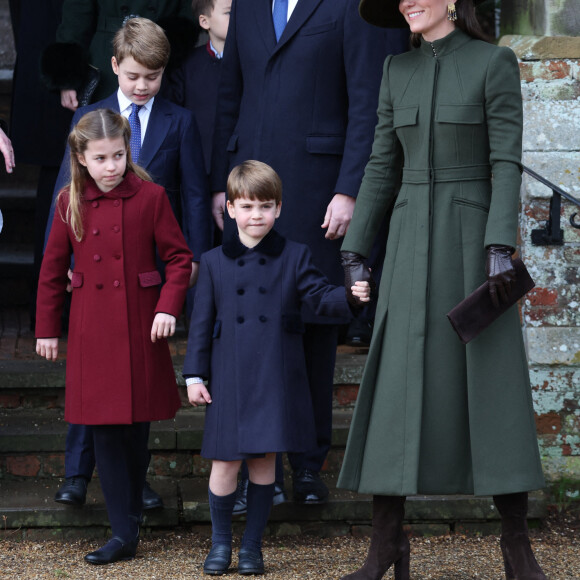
(179, 555)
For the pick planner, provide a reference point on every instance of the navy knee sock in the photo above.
(259, 505)
(221, 508)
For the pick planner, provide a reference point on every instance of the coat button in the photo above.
(116, 203)
(241, 262)
(263, 318)
(97, 258)
(95, 232)
(117, 256)
(262, 290)
(95, 204)
(116, 229)
(241, 291)
(116, 283)
(240, 319)
(99, 286)
(262, 261)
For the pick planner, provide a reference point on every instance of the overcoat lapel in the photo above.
(300, 15)
(264, 23)
(157, 128)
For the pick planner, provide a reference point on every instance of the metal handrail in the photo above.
(552, 234)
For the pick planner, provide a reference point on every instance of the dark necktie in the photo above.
(135, 125)
(280, 17)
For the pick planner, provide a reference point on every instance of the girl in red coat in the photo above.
(119, 371)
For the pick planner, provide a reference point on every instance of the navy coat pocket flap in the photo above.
(461, 114)
(318, 28)
(147, 279)
(232, 144)
(325, 144)
(76, 280)
(404, 116)
(217, 329)
(293, 323)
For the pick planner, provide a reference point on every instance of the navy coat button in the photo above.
(241, 291)
(116, 203)
(95, 204)
(263, 318)
(240, 319)
(99, 286)
(262, 261)
(262, 290)
(116, 283)
(97, 258)
(241, 262)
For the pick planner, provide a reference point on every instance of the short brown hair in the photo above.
(254, 180)
(143, 40)
(199, 7)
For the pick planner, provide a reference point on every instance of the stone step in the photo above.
(29, 504)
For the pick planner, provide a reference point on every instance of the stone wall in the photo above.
(550, 74)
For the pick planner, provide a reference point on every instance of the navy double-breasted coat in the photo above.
(115, 374)
(246, 339)
(306, 105)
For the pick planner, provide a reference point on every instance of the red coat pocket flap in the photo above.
(77, 279)
(147, 279)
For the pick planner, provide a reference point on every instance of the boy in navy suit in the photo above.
(245, 339)
(194, 84)
(169, 148)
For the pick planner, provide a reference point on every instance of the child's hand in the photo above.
(362, 290)
(198, 394)
(163, 326)
(47, 348)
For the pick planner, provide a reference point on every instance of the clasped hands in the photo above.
(358, 281)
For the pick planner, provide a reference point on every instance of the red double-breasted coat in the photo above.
(115, 374)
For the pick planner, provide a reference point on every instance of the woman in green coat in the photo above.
(435, 416)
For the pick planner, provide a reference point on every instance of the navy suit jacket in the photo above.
(172, 154)
(306, 105)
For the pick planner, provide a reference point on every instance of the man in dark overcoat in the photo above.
(304, 103)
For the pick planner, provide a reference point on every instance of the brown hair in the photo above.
(145, 41)
(95, 125)
(254, 180)
(466, 21)
(199, 7)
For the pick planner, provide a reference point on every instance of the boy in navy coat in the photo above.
(171, 152)
(245, 339)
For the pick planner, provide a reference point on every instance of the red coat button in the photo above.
(95, 232)
(95, 204)
(116, 229)
(97, 258)
(99, 286)
(116, 203)
(117, 256)
(116, 283)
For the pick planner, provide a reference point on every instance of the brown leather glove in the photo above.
(355, 270)
(500, 271)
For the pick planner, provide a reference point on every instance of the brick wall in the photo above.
(550, 73)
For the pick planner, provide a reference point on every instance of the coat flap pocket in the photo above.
(76, 280)
(325, 144)
(232, 144)
(217, 329)
(404, 116)
(147, 279)
(318, 28)
(293, 323)
(462, 114)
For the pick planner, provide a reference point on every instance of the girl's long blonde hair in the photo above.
(95, 125)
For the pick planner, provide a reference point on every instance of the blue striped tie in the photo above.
(135, 125)
(280, 17)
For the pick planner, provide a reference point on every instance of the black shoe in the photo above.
(218, 560)
(151, 499)
(114, 550)
(309, 488)
(241, 505)
(72, 492)
(250, 562)
(359, 332)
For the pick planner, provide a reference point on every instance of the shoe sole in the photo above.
(253, 572)
(124, 559)
(70, 502)
(215, 572)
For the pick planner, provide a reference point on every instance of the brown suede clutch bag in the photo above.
(477, 312)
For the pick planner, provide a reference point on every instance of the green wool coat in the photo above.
(434, 416)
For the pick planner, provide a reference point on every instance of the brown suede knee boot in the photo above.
(519, 560)
(389, 544)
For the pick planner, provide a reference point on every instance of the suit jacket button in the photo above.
(97, 258)
(99, 286)
(240, 319)
(263, 318)
(116, 283)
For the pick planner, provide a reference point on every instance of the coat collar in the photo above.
(127, 188)
(271, 245)
(446, 45)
